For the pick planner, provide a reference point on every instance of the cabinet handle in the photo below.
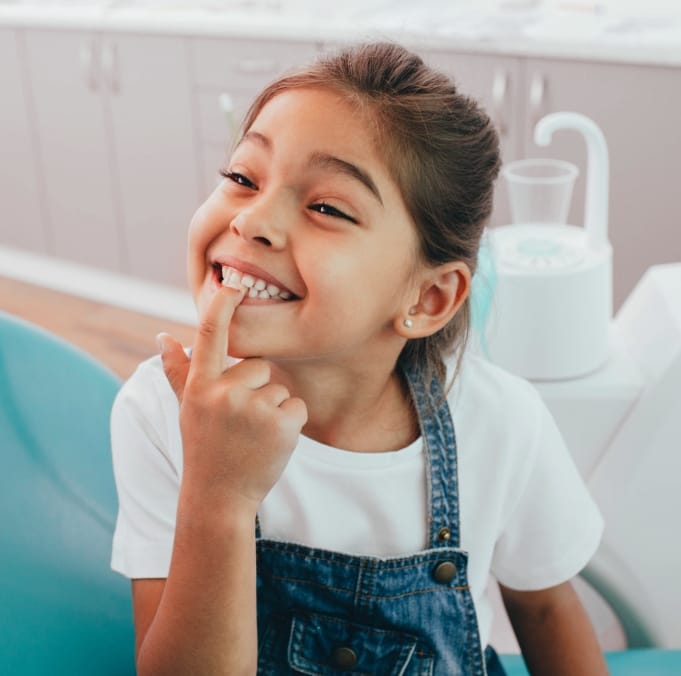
(537, 93)
(88, 62)
(110, 66)
(256, 65)
(499, 92)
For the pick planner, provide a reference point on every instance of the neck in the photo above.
(363, 408)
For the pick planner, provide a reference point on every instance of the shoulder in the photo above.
(500, 422)
(525, 511)
(146, 387)
(485, 389)
(145, 408)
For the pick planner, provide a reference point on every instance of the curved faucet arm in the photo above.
(598, 169)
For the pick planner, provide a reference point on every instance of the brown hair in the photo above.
(439, 146)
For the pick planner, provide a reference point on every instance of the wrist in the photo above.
(210, 504)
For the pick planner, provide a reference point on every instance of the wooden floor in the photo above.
(119, 338)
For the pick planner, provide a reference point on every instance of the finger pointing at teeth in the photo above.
(210, 346)
(212, 334)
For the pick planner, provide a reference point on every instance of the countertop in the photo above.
(576, 31)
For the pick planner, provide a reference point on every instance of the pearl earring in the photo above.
(408, 323)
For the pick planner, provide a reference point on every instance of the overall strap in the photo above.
(439, 440)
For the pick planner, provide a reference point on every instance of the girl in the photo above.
(326, 482)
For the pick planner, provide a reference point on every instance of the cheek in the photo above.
(199, 228)
(204, 227)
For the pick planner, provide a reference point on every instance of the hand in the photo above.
(238, 428)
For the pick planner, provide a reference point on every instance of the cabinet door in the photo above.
(496, 83)
(638, 108)
(72, 131)
(21, 218)
(150, 101)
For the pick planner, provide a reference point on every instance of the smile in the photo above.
(257, 288)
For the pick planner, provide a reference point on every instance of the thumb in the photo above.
(175, 362)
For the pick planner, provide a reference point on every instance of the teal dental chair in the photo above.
(62, 609)
(636, 662)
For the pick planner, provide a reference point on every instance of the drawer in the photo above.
(250, 64)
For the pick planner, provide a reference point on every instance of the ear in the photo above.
(441, 294)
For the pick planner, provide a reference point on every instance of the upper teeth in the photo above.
(257, 288)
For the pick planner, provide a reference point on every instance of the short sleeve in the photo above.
(147, 478)
(554, 527)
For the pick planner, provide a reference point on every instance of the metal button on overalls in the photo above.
(444, 534)
(344, 658)
(444, 572)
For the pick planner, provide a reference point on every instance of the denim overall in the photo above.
(325, 612)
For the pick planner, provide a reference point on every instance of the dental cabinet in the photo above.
(112, 134)
(110, 151)
(22, 224)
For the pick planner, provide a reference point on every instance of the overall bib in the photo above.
(325, 612)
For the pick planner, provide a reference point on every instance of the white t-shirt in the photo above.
(526, 517)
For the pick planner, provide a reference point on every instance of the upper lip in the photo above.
(251, 269)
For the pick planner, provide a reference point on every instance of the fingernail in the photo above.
(233, 285)
(237, 287)
(159, 340)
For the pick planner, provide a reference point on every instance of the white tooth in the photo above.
(225, 272)
(252, 293)
(285, 295)
(260, 285)
(263, 294)
(234, 277)
(272, 290)
(247, 281)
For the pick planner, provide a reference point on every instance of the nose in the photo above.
(259, 225)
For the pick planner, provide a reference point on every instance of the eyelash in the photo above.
(321, 207)
(327, 210)
(239, 179)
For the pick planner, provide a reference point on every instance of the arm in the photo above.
(238, 431)
(554, 631)
(202, 619)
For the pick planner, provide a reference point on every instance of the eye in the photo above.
(239, 179)
(328, 210)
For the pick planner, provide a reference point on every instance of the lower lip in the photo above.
(261, 301)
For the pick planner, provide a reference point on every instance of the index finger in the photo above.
(212, 334)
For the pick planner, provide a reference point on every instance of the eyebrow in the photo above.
(256, 136)
(324, 161)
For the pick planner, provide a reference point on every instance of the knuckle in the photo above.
(207, 327)
(263, 368)
(232, 397)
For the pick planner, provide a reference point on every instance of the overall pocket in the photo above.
(323, 645)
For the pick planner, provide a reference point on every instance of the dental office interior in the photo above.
(114, 119)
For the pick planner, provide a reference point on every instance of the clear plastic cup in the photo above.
(540, 190)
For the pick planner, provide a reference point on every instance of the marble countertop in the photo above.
(515, 27)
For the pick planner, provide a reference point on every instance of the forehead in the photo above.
(320, 120)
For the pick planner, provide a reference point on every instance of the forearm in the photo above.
(206, 619)
(556, 637)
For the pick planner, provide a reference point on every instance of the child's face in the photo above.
(309, 206)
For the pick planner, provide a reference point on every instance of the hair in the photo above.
(440, 148)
